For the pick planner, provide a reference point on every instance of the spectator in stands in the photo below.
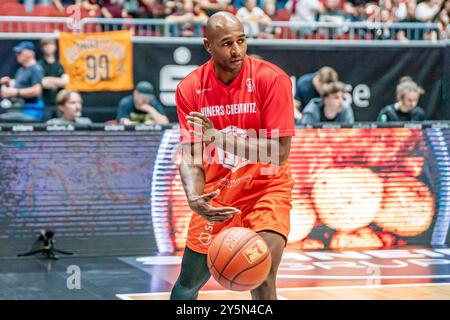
(112, 8)
(189, 20)
(131, 9)
(70, 105)
(212, 6)
(405, 35)
(253, 18)
(59, 4)
(310, 85)
(26, 84)
(334, 11)
(141, 107)
(237, 4)
(157, 8)
(54, 76)
(444, 19)
(304, 11)
(397, 9)
(92, 7)
(331, 107)
(428, 10)
(406, 108)
(358, 10)
(270, 9)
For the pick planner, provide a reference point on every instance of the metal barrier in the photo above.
(352, 30)
(275, 29)
(20, 24)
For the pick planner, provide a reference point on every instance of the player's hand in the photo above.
(202, 126)
(201, 205)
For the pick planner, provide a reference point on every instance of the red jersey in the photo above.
(260, 97)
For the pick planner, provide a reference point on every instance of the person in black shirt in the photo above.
(406, 108)
(309, 86)
(54, 77)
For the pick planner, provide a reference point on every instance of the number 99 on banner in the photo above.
(97, 61)
(97, 68)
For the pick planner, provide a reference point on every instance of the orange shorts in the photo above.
(270, 213)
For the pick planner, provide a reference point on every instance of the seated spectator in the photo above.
(26, 85)
(358, 10)
(330, 107)
(309, 85)
(427, 10)
(240, 3)
(59, 4)
(131, 9)
(444, 19)
(141, 107)
(253, 18)
(189, 20)
(405, 35)
(54, 76)
(304, 11)
(70, 105)
(406, 108)
(269, 32)
(334, 11)
(397, 9)
(212, 6)
(112, 8)
(92, 7)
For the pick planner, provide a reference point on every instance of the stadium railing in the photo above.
(279, 29)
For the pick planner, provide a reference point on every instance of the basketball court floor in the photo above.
(403, 273)
(412, 273)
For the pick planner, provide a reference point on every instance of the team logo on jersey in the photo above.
(250, 85)
(228, 159)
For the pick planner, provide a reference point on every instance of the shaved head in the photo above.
(226, 42)
(220, 23)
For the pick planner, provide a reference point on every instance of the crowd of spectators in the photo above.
(40, 84)
(258, 13)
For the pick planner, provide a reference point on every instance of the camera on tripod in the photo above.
(45, 239)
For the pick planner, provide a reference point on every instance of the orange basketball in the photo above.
(239, 259)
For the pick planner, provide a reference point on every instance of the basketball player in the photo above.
(220, 103)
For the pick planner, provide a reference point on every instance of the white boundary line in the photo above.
(151, 294)
(368, 277)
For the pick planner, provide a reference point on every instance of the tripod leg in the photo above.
(52, 255)
(62, 252)
(29, 253)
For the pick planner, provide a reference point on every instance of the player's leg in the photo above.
(193, 276)
(267, 290)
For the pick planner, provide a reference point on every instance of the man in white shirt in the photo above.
(304, 11)
(252, 17)
(427, 10)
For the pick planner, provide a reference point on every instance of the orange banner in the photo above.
(97, 61)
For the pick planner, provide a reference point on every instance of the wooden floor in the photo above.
(414, 273)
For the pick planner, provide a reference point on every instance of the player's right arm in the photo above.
(192, 171)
